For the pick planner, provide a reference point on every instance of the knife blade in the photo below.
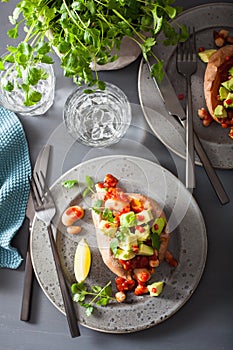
(174, 108)
(40, 165)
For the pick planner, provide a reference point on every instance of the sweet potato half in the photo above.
(216, 73)
(103, 241)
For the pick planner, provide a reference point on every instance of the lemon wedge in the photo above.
(82, 261)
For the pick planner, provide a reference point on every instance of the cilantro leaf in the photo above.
(108, 215)
(100, 295)
(155, 239)
(69, 183)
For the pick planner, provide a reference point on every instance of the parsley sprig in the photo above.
(82, 32)
(99, 296)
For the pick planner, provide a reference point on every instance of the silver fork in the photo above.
(186, 62)
(45, 210)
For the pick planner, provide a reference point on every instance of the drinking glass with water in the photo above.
(97, 119)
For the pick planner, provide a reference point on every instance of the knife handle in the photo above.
(216, 183)
(67, 299)
(27, 289)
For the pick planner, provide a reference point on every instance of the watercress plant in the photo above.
(82, 32)
(98, 296)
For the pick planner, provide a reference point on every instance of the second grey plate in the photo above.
(217, 143)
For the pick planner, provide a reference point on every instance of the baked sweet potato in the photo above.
(217, 72)
(126, 225)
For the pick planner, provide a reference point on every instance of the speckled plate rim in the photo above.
(167, 128)
(180, 283)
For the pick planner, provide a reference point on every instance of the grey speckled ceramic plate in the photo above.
(188, 244)
(217, 143)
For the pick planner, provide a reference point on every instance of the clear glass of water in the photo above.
(14, 100)
(97, 119)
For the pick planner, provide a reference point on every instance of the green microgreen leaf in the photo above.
(108, 215)
(114, 245)
(13, 33)
(155, 239)
(85, 32)
(157, 70)
(100, 296)
(8, 86)
(90, 186)
(69, 183)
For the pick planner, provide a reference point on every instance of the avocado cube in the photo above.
(129, 241)
(144, 216)
(142, 232)
(228, 84)
(205, 55)
(124, 255)
(220, 112)
(223, 92)
(107, 228)
(128, 219)
(145, 250)
(155, 288)
(228, 102)
(158, 225)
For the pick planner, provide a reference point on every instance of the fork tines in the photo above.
(186, 51)
(39, 188)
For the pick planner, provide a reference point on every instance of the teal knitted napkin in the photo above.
(14, 186)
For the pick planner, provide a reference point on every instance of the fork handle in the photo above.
(68, 303)
(190, 164)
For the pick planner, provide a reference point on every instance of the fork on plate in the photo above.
(45, 210)
(186, 62)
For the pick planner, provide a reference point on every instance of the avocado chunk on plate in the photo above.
(206, 54)
(145, 250)
(220, 112)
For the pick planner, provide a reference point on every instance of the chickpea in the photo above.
(74, 230)
(201, 113)
(120, 297)
(231, 133)
(223, 33)
(219, 41)
(207, 122)
(154, 263)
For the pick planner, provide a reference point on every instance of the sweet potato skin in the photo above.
(104, 242)
(216, 72)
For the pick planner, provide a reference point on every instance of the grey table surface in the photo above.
(204, 322)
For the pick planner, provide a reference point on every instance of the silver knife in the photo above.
(40, 165)
(174, 108)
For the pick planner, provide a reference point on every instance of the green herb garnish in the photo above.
(90, 186)
(97, 205)
(114, 245)
(69, 183)
(99, 296)
(155, 239)
(82, 32)
(108, 215)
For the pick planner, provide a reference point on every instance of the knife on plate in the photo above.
(40, 165)
(174, 108)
